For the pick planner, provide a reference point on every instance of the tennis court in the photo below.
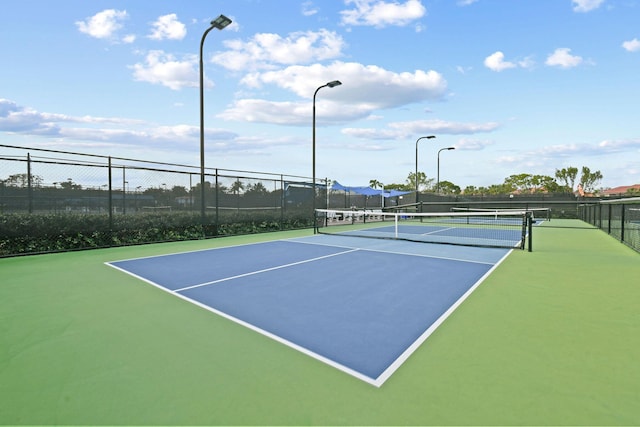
(549, 337)
(337, 299)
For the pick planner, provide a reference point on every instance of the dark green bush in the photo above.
(38, 233)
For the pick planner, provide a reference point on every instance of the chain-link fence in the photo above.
(52, 200)
(620, 218)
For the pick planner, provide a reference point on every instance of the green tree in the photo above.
(447, 187)
(521, 182)
(258, 187)
(588, 179)
(424, 183)
(568, 176)
(498, 189)
(374, 183)
(179, 191)
(236, 187)
(22, 180)
(544, 183)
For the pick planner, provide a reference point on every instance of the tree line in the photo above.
(564, 181)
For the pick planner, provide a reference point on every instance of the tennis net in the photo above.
(510, 229)
(537, 214)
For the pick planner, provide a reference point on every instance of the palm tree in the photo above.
(374, 183)
(236, 187)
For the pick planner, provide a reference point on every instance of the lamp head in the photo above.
(220, 22)
(334, 83)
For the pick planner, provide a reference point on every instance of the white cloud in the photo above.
(265, 50)
(586, 5)
(445, 127)
(103, 25)
(372, 85)
(496, 62)
(562, 57)
(15, 118)
(379, 13)
(466, 2)
(308, 8)
(404, 130)
(551, 153)
(632, 45)
(293, 113)
(168, 27)
(468, 144)
(19, 119)
(364, 90)
(164, 69)
(615, 146)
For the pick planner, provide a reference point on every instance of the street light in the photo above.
(438, 181)
(333, 83)
(220, 22)
(418, 140)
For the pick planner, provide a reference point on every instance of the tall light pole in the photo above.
(333, 83)
(438, 181)
(220, 22)
(418, 140)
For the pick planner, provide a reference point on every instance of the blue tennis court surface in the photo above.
(360, 305)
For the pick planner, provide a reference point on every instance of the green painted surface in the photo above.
(551, 337)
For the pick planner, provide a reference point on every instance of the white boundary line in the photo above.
(254, 328)
(213, 282)
(417, 343)
(195, 251)
(377, 382)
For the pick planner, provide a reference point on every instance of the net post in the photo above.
(395, 217)
(315, 221)
(530, 229)
(525, 225)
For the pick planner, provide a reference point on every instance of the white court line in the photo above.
(262, 271)
(282, 340)
(376, 382)
(192, 251)
(422, 338)
(438, 231)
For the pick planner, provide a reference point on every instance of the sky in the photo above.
(516, 86)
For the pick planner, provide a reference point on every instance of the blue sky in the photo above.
(515, 86)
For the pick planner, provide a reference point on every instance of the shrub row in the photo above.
(40, 233)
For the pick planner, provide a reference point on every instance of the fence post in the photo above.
(282, 202)
(217, 192)
(530, 226)
(623, 208)
(124, 191)
(110, 197)
(29, 184)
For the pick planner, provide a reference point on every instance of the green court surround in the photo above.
(552, 337)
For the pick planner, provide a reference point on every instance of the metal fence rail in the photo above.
(53, 200)
(49, 196)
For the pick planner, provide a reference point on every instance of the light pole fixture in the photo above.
(438, 180)
(220, 22)
(418, 140)
(333, 83)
